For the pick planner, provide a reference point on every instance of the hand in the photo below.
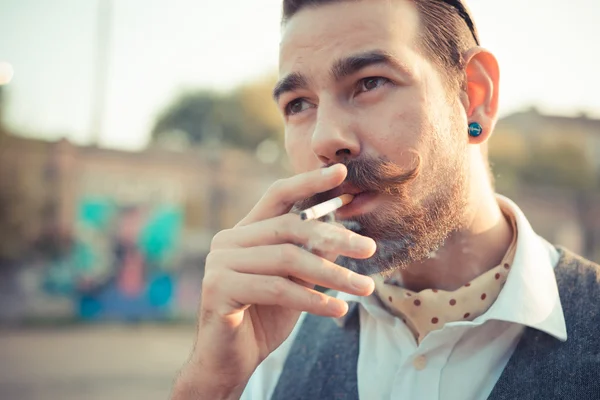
(260, 276)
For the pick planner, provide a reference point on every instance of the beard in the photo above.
(405, 231)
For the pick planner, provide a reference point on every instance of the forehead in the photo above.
(316, 36)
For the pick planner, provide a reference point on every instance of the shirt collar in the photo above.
(529, 297)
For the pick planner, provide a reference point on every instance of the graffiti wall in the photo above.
(118, 267)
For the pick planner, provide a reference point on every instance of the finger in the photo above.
(301, 282)
(291, 261)
(282, 195)
(248, 289)
(330, 255)
(327, 255)
(315, 236)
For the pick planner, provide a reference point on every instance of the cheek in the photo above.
(297, 147)
(401, 125)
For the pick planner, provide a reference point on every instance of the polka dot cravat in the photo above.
(429, 309)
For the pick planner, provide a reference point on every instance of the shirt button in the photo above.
(420, 362)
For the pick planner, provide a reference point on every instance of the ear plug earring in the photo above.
(475, 129)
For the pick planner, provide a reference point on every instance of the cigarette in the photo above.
(326, 207)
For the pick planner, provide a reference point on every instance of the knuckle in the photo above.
(333, 274)
(277, 188)
(328, 241)
(316, 301)
(325, 237)
(289, 221)
(210, 284)
(282, 229)
(278, 287)
(279, 192)
(219, 240)
(216, 262)
(212, 260)
(288, 254)
(288, 225)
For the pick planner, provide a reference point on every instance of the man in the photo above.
(445, 291)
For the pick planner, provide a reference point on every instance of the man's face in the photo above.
(358, 90)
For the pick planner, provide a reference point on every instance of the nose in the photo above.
(334, 139)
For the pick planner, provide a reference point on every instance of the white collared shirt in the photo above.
(464, 359)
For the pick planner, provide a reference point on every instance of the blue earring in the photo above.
(475, 129)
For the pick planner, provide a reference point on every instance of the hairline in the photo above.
(449, 81)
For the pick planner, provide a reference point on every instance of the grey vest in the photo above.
(323, 359)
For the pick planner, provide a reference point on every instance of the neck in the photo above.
(470, 252)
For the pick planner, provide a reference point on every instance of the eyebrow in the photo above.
(290, 83)
(341, 69)
(353, 64)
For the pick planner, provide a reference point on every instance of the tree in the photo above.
(546, 161)
(243, 118)
(560, 164)
(21, 194)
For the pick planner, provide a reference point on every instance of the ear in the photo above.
(481, 96)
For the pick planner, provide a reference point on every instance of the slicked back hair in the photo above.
(447, 32)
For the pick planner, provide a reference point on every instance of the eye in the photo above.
(296, 106)
(371, 83)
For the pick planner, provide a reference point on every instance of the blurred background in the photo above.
(131, 131)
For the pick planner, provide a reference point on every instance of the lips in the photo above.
(363, 202)
(345, 188)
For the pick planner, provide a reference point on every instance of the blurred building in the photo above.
(124, 233)
(550, 165)
(533, 129)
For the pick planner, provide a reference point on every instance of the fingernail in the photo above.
(361, 243)
(338, 308)
(329, 170)
(361, 282)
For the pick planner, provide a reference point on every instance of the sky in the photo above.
(547, 49)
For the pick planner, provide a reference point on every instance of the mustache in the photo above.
(373, 175)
